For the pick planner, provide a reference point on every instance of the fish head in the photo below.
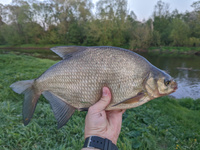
(159, 83)
(166, 85)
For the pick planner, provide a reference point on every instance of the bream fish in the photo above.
(77, 80)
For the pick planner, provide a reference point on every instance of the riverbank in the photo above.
(29, 46)
(172, 50)
(181, 50)
(162, 49)
(163, 123)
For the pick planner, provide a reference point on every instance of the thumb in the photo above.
(104, 101)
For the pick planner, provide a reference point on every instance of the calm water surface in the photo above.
(184, 68)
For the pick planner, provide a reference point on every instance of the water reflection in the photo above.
(185, 69)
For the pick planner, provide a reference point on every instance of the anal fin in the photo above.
(62, 111)
(131, 100)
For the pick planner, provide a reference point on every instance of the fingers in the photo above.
(123, 111)
(120, 111)
(115, 116)
(103, 102)
(115, 113)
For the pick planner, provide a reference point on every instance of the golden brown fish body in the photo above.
(77, 80)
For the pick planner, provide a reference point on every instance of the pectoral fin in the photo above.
(62, 111)
(131, 100)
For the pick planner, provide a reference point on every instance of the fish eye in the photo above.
(167, 82)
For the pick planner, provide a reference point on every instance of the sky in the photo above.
(144, 8)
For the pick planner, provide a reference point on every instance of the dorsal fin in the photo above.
(67, 51)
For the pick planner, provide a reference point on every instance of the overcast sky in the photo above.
(144, 8)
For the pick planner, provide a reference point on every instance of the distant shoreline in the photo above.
(25, 47)
(164, 49)
(175, 51)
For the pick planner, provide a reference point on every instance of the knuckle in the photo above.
(104, 100)
(91, 109)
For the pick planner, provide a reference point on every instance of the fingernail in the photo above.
(105, 93)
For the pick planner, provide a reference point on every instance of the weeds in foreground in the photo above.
(161, 124)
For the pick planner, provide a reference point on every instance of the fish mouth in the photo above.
(174, 89)
(174, 86)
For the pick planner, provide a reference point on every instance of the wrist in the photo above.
(89, 148)
(111, 138)
(95, 142)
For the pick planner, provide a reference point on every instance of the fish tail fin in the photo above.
(31, 96)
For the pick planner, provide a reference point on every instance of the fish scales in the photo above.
(83, 77)
(77, 80)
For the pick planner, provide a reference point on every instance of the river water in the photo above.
(185, 69)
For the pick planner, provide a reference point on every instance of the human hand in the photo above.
(105, 124)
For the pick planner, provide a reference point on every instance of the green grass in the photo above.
(161, 124)
(39, 52)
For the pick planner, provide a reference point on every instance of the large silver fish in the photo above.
(77, 80)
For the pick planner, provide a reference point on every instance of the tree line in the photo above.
(108, 22)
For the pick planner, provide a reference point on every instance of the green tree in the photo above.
(196, 6)
(196, 19)
(193, 21)
(73, 22)
(22, 25)
(179, 33)
(141, 37)
(109, 28)
(2, 40)
(162, 21)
